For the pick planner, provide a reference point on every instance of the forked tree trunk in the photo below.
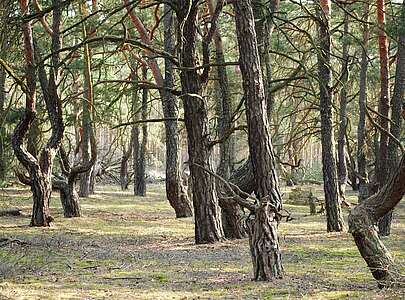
(333, 210)
(361, 127)
(264, 244)
(362, 225)
(207, 214)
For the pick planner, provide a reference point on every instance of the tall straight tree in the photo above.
(361, 127)
(342, 165)
(207, 213)
(87, 105)
(264, 244)
(384, 110)
(333, 209)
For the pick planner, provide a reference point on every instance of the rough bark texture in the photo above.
(207, 214)
(140, 180)
(124, 175)
(231, 211)
(362, 225)
(332, 205)
(396, 115)
(342, 166)
(263, 237)
(85, 178)
(384, 110)
(263, 12)
(176, 192)
(68, 197)
(361, 127)
(40, 170)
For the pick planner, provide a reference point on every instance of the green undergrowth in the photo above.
(127, 247)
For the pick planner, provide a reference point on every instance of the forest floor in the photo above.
(127, 247)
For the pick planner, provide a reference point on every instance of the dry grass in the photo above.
(129, 247)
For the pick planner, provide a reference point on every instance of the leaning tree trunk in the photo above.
(383, 109)
(362, 225)
(263, 237)
(232, 213)
(361, 127)
(176, 192)
(333, 210)
(68, 197)
(139, 177)
(207, 214)
(342, 166)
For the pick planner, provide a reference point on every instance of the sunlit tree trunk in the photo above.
(332, 205)
(263, 236)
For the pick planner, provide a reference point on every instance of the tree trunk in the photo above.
(140, 182)
(362, 225)
(342, 166)
(231, 211)
(383, 109)
(69, 198)
(207, 214)
(333, 210)
(396, 115)
(263, 237)
(264, 12)
(85, 178)
(124, 175)
(176, 192)
(361, 127)
(3, 163)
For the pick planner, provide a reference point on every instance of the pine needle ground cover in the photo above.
(127, 247)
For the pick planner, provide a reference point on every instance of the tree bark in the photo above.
(333, 210)
(176, 192)
(87, 104)
(384, 110)
(68, 197)
(207, 214)
(263, 237)
(140, 182)
(342, 166)
(396, 115)
(231, 211)
(362, 225)
(361, 127)
(124, 174)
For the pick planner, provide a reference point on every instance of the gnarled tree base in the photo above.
(264, 245)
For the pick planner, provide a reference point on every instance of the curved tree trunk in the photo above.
(362, 225)
(263, 237)
(333, 210)
(207, 214)
(68, 197)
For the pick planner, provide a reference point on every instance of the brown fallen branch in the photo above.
(7, 241)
